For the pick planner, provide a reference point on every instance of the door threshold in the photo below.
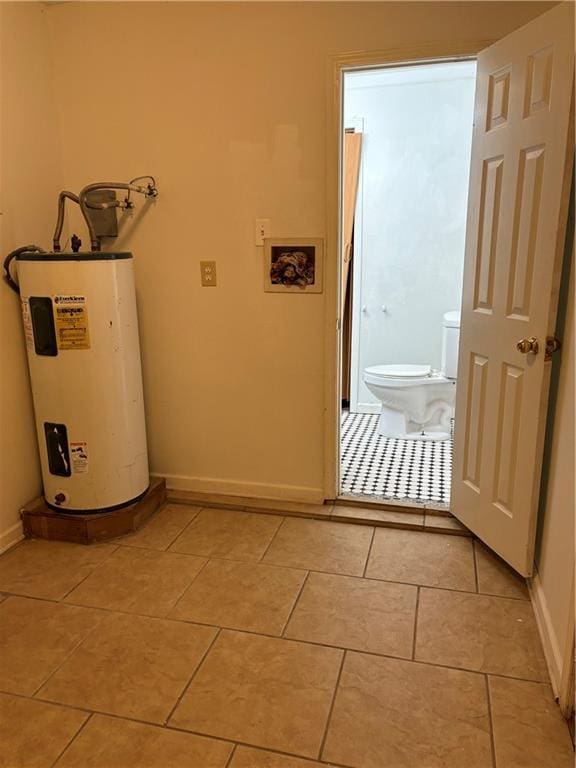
(394, 505)
(348, 509)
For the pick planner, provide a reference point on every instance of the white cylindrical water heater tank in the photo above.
(81, 329)
(450, 344)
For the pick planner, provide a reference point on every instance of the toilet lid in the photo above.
(400, 371)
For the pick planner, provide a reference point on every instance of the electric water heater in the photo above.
(81, 330)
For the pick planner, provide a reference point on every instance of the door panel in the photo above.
(488, 231)
(476, 404)
(522, 154)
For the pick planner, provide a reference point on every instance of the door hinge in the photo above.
(552, 345)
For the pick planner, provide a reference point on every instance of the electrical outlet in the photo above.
(262, 229)
(208, 273)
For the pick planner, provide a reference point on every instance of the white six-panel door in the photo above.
(522, 151)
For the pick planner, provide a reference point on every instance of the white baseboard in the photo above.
(11, 536)
(236, 488)
(373, 408)
(550, 644)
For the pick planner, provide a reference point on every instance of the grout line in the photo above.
(285, 627)
(280, 524)
(185, 591)
(188, 524)
(116, 716)
(405, 525)
(329, 718)
(491, 721)
(54, 600)
(181, 533)
(369, 553)
(194, 673)
(72, 740)
(231, 756)
(415, 623)
(96, 567)
(72, 652)
(475, 565)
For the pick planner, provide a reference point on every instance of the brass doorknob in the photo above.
(528, 346)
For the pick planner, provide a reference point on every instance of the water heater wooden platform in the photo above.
(41, 522)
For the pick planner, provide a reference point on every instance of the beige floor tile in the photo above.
(36, 636)
(110, 743)
(228, 534)
(132, 666)
(264, 691)
(528, 727)
(138, 581)
(163, 528)
(480, 632)
(33, 734)
(217, 500)
(49, 569)
(416, 557)
(398, 714)
(246, 757)
(321, 546)
(292, 507)
(495, 577)
(444, 523)
(256, 598)
(381, 516)
(356, 613)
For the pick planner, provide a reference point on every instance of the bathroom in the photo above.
(407, 141)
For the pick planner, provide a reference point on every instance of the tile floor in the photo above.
(418, 471)
(229, 639)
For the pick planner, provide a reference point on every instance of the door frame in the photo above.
(337, 65)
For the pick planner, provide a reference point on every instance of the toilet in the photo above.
(417, 401)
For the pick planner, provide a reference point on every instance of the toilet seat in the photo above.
(401, 371)
(402, 375)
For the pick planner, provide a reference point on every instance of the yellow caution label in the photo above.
(72, 326)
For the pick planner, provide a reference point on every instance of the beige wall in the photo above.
(29, 181)
(555, 552)
(225, 104)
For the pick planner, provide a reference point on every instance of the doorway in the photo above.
(407, 133)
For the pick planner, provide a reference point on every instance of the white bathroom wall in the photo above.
(411, 213)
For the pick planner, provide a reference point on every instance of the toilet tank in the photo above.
(450, 341)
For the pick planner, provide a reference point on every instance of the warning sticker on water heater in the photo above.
(71, 320)
(79, 457)
(27, 319)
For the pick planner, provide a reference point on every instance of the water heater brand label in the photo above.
(79, 457)
(71, 299)
(71, 319)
